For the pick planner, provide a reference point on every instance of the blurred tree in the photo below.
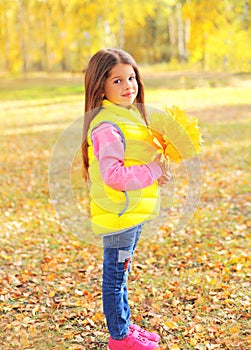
(9, 43)
(61, 35)
(219, 32)
(22, 33)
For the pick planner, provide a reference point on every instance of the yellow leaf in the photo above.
(193, 341)
(178, 134)
(168, 294)
(234, 329)
(174, 347)
(199, 328)
(98, 317)
(52, 293)
(151, 260)
(208, 278)
(51, 277)
(68, 335)
(170, 324)
(32, 330)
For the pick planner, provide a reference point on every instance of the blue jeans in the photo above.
(118, 252)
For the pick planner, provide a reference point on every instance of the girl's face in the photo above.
(121, 86)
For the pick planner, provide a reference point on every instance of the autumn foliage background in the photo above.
(60, 35)
(192, 286)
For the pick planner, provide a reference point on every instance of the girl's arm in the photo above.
(109, 150)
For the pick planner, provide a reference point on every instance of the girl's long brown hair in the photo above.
(96, 74)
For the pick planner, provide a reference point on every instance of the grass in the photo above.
(193, 286)
(41, 86)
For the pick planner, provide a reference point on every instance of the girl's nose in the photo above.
(128, 84)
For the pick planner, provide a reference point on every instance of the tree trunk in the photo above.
(22, 35)
(121, 31)
(180, 28)
(6, 41)
(172, 36)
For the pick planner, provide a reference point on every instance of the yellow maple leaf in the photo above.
(174, 347)
(176, 134)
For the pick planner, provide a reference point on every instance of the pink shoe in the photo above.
(134, 341)
(148, 335)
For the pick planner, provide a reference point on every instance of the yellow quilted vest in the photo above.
(112, 210)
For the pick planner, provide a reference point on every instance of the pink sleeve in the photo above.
(109, 150)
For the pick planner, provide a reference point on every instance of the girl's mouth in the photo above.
(130, 94)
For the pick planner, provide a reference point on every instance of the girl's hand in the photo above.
(166, 175)
(162, 163)
(165, 178)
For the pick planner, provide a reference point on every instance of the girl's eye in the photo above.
(132, 78)
(117, 81)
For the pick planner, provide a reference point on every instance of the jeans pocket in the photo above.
(124, 255)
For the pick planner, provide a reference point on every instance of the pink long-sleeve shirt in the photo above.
(109, 150)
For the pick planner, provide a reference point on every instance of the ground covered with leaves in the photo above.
(193, 287)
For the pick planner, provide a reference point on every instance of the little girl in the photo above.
(120, 161)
